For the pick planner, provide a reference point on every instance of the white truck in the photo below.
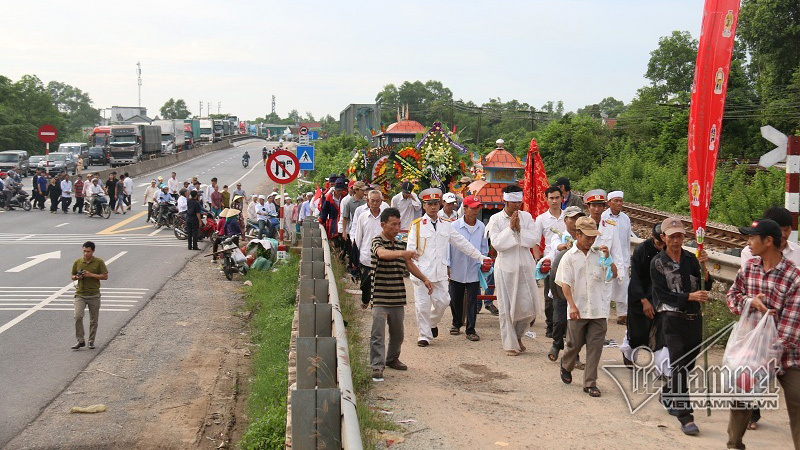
(206, 130)
(173, 137)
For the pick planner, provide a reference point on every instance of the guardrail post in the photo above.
(313, 291)
(316, 362)
(316, 419)
(315, 320)
(312, 254)
(312, 269)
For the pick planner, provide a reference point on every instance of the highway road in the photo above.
(36, 324)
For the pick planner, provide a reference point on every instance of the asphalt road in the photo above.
(36, 324)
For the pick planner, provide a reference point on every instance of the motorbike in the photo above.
(245, 162)
(18, 200)
(91, 208)
(207, 228)
(233, 261)
(273, 225)
(165, 217)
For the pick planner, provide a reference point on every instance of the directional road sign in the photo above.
(778, 154)
(314, 135)
(282, 167)
(305, 154)
(48, 134)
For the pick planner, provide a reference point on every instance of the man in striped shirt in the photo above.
(389, 262)
(772, 283)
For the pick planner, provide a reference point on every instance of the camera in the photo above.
(79, 274)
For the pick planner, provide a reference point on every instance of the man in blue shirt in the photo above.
(464, 271)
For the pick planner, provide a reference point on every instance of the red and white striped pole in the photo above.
(793, 182)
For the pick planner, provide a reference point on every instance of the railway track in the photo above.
(719, 236)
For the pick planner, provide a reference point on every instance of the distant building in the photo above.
(128, 114)
(360, 118)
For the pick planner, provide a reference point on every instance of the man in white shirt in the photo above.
(408, 204)
(548, 224)
(66, 193)
(97, 194)
(448, 212)
(239, 191)
(128, 191)
(618, 221)
(582, 273)
(365, 228)
(262, 216)
(150, 198)
(174, 185)
(208, 191)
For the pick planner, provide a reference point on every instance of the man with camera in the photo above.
(87, 271)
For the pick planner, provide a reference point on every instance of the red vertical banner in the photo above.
(708, 103)
(535, 182)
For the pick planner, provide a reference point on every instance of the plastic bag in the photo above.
(752, 355)
(238, 256)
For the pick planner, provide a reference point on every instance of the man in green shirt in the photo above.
(87, 271)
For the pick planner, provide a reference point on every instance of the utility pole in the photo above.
(478, 138)
(139, 75)
(452, 118)
(201, 109)
(219, 107)
(273, 104)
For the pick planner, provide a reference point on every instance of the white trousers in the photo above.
(511, 332)
(430, 308)
(618, 292)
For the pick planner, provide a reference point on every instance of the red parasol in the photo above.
(535, 182)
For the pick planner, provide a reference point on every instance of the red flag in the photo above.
(317, 194)
(454, 128)
(535, 182)
(708, 103)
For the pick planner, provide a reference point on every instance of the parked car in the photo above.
(77, 149)
(16, 160)
(34, 163)
(60, 162)
(98, 156)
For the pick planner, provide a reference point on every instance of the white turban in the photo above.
(512, 196)
(615, 194)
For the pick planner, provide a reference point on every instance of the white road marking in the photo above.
(34, 260)
(155, 232)
(116, 257)
(62, 224)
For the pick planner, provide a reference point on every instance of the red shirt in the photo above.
(781, 289)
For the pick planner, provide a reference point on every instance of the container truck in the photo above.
(226, 128)
(172, 136)
(187, 133)
(206, 130)
(193, 132)
(219, 129)
(132, 143)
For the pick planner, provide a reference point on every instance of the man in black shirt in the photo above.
(111, 190)
(193, 219)
(642, 322)
(675, 274)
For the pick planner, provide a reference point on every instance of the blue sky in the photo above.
(320, 56)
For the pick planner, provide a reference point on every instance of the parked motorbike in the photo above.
(18, 200)
(233, 260)
(92, 210)
(273, 225)
(207, 228)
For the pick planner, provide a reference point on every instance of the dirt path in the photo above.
(462, 394)
(172, 378)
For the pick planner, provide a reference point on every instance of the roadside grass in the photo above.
(370, 419)
(271, 301)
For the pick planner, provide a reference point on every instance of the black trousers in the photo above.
(559, 322)
(65, 202)
(457, 292)
(548, 304)
(149, 210)
(366, 284)
(37, 199)
(192, 229)
(112, 200)
(78, 206)
(683, 338)
(54, 203)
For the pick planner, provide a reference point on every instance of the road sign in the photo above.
(305, 154)
(282, 167)
(48, 134)
(778, 154)
(314, 135)
(303, 131)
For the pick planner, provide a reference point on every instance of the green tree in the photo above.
(671, 65)
(175, 109)
(25, 105)
(76, 105)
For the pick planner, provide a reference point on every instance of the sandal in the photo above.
(580, 366)
(752, 426)
(592, 391)
(566, 377)
(553, 355)
(512, 353)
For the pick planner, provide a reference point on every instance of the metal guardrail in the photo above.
(723, 267)
(351, 432)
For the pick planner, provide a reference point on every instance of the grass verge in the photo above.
(371, 421)
(271, 301)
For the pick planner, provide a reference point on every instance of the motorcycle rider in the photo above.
(163, 202)
(264, 153)
(183, 198)
(9, 187)
(246, 157)
(97, 194)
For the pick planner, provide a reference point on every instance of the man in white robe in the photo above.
(618, 221)
(511, 233)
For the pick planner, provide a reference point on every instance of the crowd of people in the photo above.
(579, 251)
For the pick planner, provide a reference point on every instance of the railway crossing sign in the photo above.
(282, 167)
(778, 154)
(305, 154)
(48, 134)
